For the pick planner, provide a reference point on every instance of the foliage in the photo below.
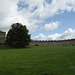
(18, 35)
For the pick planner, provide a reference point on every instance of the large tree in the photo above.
(18, 35)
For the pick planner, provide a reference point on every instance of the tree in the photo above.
(18, 35)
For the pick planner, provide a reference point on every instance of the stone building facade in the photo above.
(54, 43)
(2, 37)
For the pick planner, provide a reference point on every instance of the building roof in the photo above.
(2, 31)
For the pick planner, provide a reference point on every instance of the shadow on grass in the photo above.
(6, 47)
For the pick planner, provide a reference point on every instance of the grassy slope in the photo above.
(37, 61)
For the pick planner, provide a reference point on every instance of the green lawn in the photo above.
(37, 60)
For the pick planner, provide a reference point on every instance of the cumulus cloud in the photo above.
(68, 34)
(51, 26)
(8, 10)
(40, 37)
(32, 12)
(57, 6)
(10, 13)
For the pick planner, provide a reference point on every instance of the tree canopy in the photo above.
(18, 35)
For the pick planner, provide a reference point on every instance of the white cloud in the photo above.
(54, 36)
(56, 6)
(40, 37)
(10, 12)
(68, 34)
(51, 26)
(7, 12)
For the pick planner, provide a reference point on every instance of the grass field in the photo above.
(37, 60)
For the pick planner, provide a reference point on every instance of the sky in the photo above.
(45, 19)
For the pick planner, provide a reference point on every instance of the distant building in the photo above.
(69, 42)
(2, 37)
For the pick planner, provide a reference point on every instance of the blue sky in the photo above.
(45, 19)
(67, 20)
